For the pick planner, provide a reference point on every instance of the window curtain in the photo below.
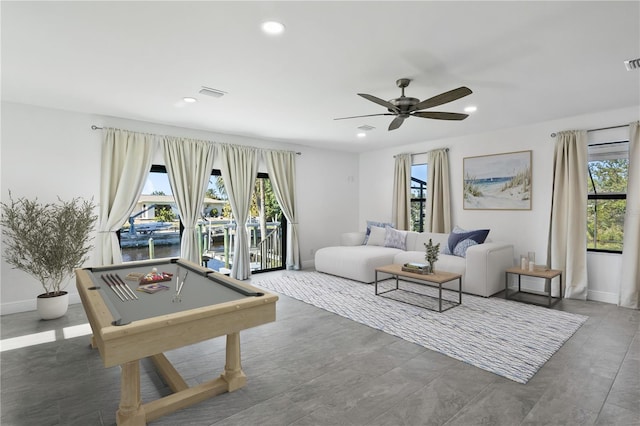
(281, 167)
(567, 249)
(438, 207)
(239, 170)
(401, 207)
(126, 161)
(630, 277)
(189, 164)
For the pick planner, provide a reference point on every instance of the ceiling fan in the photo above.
(404, 106)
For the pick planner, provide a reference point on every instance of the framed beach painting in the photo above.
(497, 182)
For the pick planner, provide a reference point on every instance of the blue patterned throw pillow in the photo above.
(460, 240)
(395, 239)
(371, 223)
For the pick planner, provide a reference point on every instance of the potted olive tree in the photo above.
(48, 241)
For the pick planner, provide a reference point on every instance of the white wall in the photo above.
(527, 230)
(48, 153)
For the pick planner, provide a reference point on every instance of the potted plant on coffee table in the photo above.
(431, 255)
(48, 241)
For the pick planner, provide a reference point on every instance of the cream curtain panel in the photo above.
(281, 166)
(630, 277)
(126, 161)
(189, 164)
(239, 170)
(567, 249)
(438, 207)
(401, 207)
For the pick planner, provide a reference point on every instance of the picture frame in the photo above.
(497, 181)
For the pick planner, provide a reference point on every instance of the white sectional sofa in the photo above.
(482, 268)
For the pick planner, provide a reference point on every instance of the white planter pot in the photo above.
(52, 307)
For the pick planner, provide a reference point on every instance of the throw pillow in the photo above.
(376, 236)
(461, 248)
(395, 239)
(458, 235)
(371, 223)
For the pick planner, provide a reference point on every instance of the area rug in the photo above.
(508, 338)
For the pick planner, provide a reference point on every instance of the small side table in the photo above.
(543, 298)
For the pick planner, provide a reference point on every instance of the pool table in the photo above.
(129, 325)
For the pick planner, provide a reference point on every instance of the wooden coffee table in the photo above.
(436, 280)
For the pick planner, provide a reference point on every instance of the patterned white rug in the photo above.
(507, 338)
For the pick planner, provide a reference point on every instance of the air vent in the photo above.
(366, 127)
(212, 92)
(632, 64)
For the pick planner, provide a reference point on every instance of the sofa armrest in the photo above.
(485, 268)
(352, 239)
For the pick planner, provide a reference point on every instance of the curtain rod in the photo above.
(426, 152)
(553, 135)
(94, 127)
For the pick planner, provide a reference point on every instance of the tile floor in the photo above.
(312, 367)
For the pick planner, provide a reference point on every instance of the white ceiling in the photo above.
(526, 62)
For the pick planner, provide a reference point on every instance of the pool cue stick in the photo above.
(111, 287)
(121, 287)
(126, 286)
(182, 283)
(117, 286)
(177, 278)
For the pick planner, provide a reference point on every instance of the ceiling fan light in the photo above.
(471, 108)
(366, 127)
(632, 64)
(361, 135)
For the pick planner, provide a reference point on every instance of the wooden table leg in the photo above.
(130, 411)
(233, 373)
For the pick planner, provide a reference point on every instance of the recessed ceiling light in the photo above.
(272, 27)
(189, 100)
(361, 135)
(471, 108)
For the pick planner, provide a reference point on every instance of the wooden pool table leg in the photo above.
(233, 373)
(130, 411)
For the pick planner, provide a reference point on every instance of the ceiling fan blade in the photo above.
(443, 98)
(397, 122)
(358, 116)
(441, 115)
(379, 101)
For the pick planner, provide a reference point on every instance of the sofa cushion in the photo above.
(371, 223)
(354, 262)
(395, 238)
(465, 239)
(376, 236)
(417, 240)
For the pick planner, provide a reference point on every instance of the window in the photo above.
(608, 167)
(154, 229)
(418, 196)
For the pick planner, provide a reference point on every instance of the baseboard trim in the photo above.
(30, 305)
(602, 296)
